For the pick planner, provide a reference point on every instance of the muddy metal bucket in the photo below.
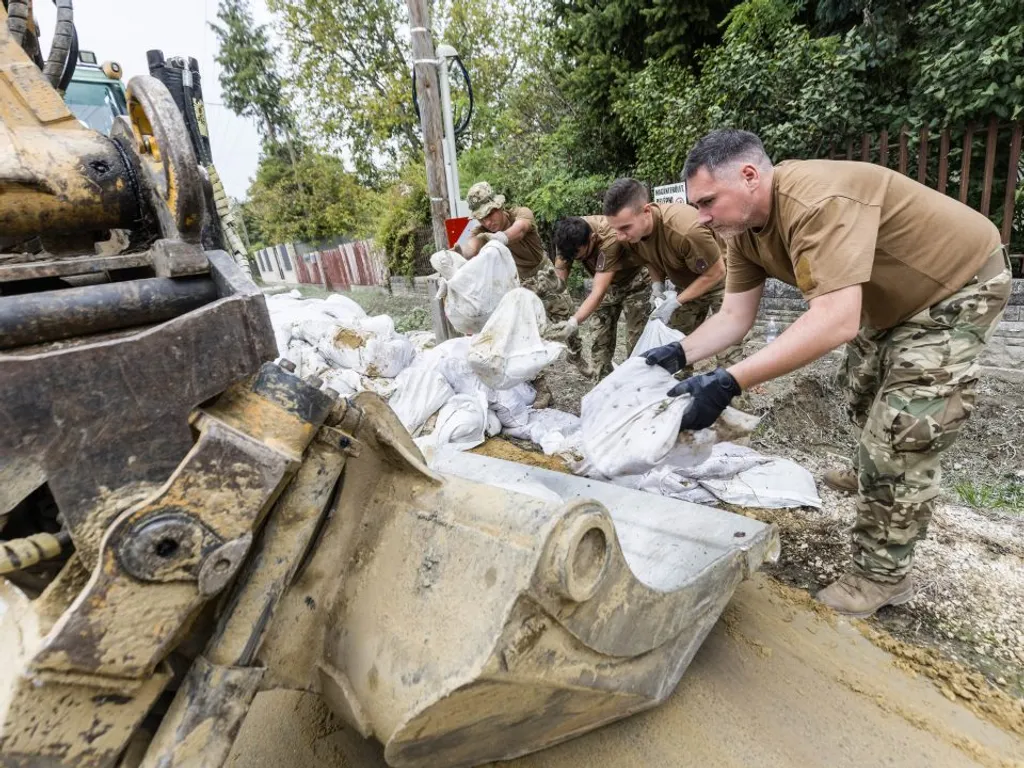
(510, 608)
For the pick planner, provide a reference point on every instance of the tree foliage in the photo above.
(352, 61)
(249, 78)
(331, 203)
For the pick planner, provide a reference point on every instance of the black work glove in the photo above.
(712, 393)
(671, 357)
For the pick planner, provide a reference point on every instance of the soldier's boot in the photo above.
(844, 480)
(858, 597)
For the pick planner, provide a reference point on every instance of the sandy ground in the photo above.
(776, 683)
(780, 681)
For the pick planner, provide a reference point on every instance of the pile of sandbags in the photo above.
(456, 393)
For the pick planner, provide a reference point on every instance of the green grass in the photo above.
(1008, 495)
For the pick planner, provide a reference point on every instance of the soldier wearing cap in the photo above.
(620, 285)
(669, 240)
(912, 281)
(515, 228)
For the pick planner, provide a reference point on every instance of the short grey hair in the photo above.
(722, 147)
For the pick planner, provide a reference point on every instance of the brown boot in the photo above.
(858, 597)
(844, 480)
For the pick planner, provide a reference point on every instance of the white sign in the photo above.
(670, 193)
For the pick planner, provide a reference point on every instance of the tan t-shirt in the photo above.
(678, 246)
(834, 224)
(608, 254)
(528, 251)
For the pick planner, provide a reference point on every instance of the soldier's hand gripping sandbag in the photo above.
(671, 357)
(711, 392)
(562, 331)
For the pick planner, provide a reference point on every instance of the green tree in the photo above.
(249, 79)
(352, 62)
(331, 204)
(770, 75)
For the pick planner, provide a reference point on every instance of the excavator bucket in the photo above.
(488, 609)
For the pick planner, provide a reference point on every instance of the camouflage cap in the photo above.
(482, 200)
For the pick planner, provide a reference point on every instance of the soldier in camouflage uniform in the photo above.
(621, 286)
(913, 280)
(515, 228)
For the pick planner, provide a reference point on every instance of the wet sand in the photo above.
(778, 683)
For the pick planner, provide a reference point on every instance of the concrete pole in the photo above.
(428, 95)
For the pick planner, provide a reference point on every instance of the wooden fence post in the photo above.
(1011, 182)
(943, 161)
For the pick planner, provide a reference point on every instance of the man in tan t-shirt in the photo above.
(516, 229)
(911, 280)
(667, 238)
(621, 285)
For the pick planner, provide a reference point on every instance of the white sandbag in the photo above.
(509, 350)
(512, 406)
(629, 422)
(725, 462)
(421, 340)
(342, 307)
(664, 480)
(655, 334)
(493, 425)
(447, 263)
(476, 288)
(369, 346)
(419, 393)
(462, 422)
(344, 381)
(312, 329)
(543, 421)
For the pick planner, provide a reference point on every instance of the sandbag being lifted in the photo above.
(473, 289)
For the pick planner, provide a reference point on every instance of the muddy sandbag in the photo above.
(510, 349)
(368, 345)
(629, 422)
(472, 290)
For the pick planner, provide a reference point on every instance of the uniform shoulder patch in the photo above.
(601, 262)
(701, 265)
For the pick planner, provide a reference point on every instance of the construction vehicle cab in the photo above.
(96, 93)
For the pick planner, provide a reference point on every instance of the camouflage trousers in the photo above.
(631, 298)
(909, 391)
(558, 304)
(690, 315)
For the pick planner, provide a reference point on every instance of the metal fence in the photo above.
(334, 267)
(952, 162)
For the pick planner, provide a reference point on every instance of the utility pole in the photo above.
(428, 95)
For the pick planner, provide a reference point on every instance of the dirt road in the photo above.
(776, 684)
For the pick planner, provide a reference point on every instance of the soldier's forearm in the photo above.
(826, 325)
(703, 284)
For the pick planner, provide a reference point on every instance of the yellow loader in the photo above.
(185, 523)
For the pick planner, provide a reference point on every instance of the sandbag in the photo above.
(629, 422)
(462, 422)
(419, 392)
(344, 381)
(510, 350)
(342, 307)
(477, 286)
(655, 334)
(447, 263)
(555, 431)
(512, 406)
(367, 345)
